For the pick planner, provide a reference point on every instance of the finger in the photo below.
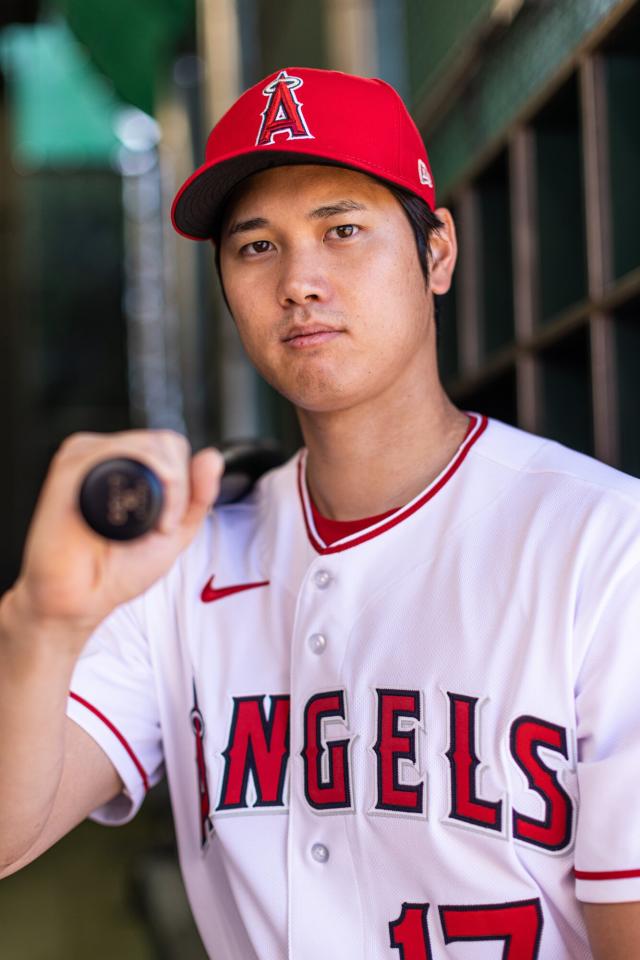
(176, 481)
(206, 471)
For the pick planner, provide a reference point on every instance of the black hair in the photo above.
(423, 220)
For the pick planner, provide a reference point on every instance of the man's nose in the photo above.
(302, 279)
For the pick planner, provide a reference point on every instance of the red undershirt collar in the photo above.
(332, 530)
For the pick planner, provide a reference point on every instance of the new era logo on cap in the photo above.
(423, 173)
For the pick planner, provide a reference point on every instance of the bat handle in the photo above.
(122, 498)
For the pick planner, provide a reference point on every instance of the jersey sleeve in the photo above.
(607, 856)
(113, 698)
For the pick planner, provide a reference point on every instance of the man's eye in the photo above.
(344, 231)
(255, 247)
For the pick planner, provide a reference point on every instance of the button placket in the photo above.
(318, 852)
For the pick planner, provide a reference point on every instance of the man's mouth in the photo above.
(300, 337)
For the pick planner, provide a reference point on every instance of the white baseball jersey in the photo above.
(422, 741)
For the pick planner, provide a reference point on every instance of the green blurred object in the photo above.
(132, 43)
(63, 111)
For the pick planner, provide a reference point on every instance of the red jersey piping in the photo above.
(477, 426)
(605, 874)
(116, 733)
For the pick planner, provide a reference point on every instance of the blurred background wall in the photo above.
(109, 320)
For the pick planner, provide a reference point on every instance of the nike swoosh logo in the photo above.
(210, 593)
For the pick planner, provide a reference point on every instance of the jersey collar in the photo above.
(477, 426)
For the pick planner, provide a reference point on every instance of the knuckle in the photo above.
(161, 440)
(175, 440)
(173, 480)
(138, 438)
(80, 437)
(175, 450)
(76, 443)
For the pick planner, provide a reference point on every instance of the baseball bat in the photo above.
(122, 498)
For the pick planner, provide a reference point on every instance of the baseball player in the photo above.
(394, 690)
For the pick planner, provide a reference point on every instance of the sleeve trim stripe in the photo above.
(606, 875)
(116, 733)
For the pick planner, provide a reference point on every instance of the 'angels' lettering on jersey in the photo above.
(257, 755)
(463, 759)
(197, 727)
(258, 747)
(326, 762)
(399, 715)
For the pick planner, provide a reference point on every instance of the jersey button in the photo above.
(317, 642)
(322, 579)
(320, 853)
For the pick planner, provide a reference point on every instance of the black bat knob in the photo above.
(122, 498)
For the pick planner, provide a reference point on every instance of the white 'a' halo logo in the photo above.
(283, 111)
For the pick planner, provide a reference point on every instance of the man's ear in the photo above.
(443, 247)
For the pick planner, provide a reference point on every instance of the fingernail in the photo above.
(220, 459)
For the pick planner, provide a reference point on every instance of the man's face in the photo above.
(321, 272)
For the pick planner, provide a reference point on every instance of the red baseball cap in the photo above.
(302, 115)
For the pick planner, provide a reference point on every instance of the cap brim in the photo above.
(198, 204)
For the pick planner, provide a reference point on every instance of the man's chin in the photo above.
(317, 388)
(317, 393)
(321, 404)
